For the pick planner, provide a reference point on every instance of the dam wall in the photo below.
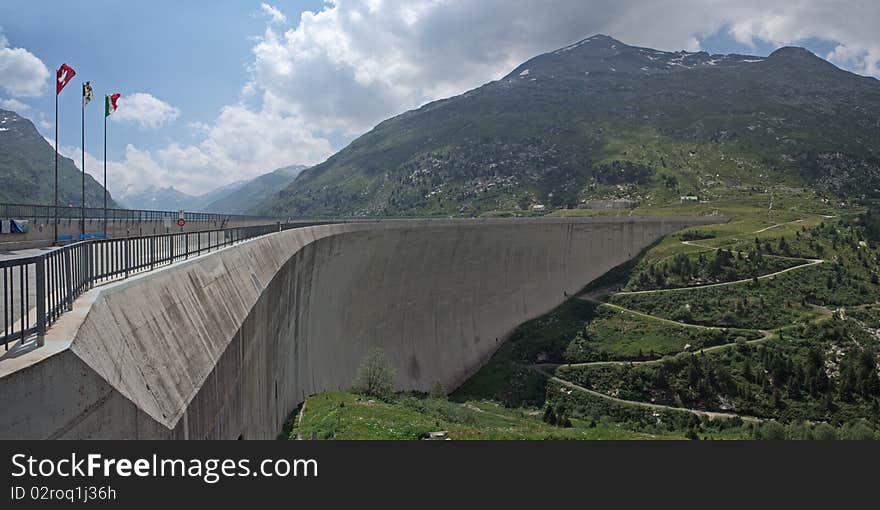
(226, 346)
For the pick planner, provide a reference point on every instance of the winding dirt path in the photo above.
(771, 227)
(711, 415)
(709, 248)
(595, 300)
(811, 262)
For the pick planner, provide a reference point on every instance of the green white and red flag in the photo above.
(110, 104)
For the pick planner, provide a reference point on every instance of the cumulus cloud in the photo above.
(241, 144)
(135, 171)
(275, 15)
(864, 59)
(145, 110)
(22, 74)
(14, 105)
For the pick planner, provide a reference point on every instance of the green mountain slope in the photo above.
(601, 119)
(27, 166)
(254, 192)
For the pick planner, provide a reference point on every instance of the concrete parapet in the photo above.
(40, 230)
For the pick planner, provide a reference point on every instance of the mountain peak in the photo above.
(602, 38)
(793, 53)
(596, 41)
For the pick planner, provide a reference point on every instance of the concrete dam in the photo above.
(227, 345)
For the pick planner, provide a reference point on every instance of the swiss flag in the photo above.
(65, 74)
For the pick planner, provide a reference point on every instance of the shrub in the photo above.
(376, 375)
(770, 431)
(438, 390)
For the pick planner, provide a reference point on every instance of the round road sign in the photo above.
(181, 222)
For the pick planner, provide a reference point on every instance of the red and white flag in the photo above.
(64, 75)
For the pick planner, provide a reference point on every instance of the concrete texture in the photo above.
(227, 345)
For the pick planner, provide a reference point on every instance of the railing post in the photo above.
(152, 252)
(90, 261)
(125, 244)
(40, 266)
(69, 278)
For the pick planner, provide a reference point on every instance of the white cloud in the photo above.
(44, 122)
(242, 135)
(275, 15)
(865, 60)
(22, 74)
(146, 110)
(199, 128)
(241, 144)
(136, 171)
(14, 105)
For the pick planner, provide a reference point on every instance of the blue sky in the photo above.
(192, 54)
(223, 91)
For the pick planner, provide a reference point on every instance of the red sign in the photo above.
(181, 222)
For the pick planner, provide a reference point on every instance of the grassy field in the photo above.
(341, 416)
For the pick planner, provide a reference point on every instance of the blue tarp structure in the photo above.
(14, 226)
(20, 226)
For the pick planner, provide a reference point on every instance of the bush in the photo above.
(376, 375)
(770, 431)
(438, 391)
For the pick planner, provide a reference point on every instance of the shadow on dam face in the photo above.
(227, 345)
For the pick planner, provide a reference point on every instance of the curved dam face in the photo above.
(227, 345)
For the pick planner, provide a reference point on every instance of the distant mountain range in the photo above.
(602, 120)
(27, 169)
(249, 194)
(155, 198)
(235, 198)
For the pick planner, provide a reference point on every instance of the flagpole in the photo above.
(82, 221)
(105, 172)
(55, 226)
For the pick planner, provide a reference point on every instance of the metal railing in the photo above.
(26, 211)
(38, 290)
